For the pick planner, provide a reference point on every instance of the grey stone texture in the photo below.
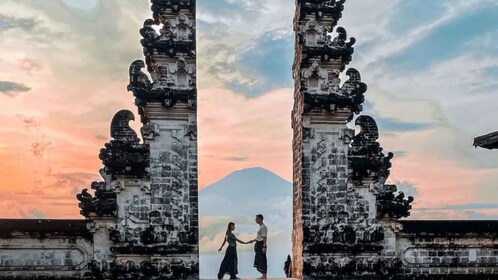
(346, 218)
(54, 249)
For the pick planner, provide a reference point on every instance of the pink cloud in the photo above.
(256, 129)
(438, 181)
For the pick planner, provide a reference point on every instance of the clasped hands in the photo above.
(248, 242)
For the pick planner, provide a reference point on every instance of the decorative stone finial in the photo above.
(124, 155)
(349, 96)
(120, 127)
(366, 157)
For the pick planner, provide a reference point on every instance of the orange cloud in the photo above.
(438, 181)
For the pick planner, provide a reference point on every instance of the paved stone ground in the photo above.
(255, 279)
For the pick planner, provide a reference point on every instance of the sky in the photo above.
(431, 68)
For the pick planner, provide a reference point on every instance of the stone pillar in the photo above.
(317, 125)
(338, 176)
(167, 105)
(145, 212)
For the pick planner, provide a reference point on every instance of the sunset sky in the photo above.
(431, 67)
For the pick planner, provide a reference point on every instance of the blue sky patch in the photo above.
(217, 7)
(6, 86)
(410, 14)
(269, 62)
(448, 40)
(393, 125)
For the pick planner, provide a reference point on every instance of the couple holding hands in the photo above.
(230, 262)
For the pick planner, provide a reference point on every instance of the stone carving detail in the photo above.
(393, 204)
(138, 79)
(316, 80)
(339, 42)
(172, 169)
(124, 155)
(368, 162)
(176, 36)
(148, 33)
(163, 6)
(473, 256)
(180, 29)
(33, 259)
(160, 268)
(149, 131)
(317, 43)
(322, 92)
(172, 83)
(308, 134)
(169, 57)
(120, 127)
(179, 75)
(103, 203)
(326, 267)
(191, 131)
(366, 157)
(322, 9)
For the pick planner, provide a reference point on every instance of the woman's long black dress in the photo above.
(230, 261)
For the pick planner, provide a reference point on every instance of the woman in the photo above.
(229, 263)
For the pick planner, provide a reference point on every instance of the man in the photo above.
(260, 262)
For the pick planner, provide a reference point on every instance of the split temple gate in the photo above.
(142, 220)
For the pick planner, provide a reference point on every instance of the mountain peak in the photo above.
(248, 179)
(254, 170)
(245, 191)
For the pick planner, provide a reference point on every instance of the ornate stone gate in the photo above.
(142, 221)
(346, 218)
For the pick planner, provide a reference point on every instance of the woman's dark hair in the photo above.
(229, 227)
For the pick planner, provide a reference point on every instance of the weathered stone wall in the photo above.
(54, 249)
(448, 247)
